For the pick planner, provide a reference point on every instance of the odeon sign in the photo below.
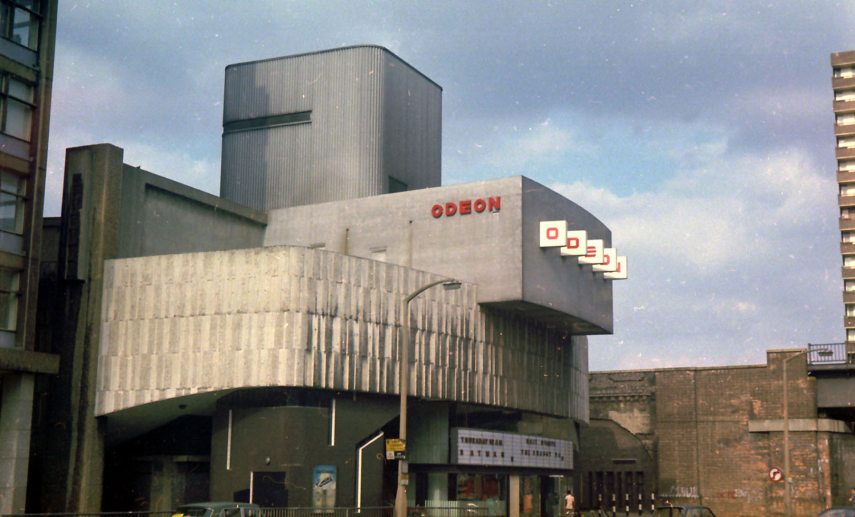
(575, 243)
(467, 206)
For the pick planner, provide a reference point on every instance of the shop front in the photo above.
(497, 473)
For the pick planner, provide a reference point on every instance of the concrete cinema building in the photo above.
(247, 347)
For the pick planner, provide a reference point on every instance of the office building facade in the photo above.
(27, 39)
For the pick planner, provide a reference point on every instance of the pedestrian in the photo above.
(569, 504)
(852, 496)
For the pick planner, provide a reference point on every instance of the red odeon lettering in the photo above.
(466, 207)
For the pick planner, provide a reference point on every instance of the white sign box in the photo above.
(577, 243)
(478, 447)
(594, 254)
(553, 233)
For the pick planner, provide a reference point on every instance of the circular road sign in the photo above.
(776, 475)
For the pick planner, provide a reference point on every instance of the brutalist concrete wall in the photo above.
(177, 325)
(485, 233)
(163, 216)
(105, 206)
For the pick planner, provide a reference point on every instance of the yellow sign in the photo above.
(396, 449)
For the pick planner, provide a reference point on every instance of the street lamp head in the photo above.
(451, 285)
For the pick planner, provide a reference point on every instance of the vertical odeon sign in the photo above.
(591, 252)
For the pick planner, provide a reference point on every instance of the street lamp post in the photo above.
(785, 389)
(404, 376)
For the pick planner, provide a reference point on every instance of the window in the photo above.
(19, 22)
(849, 261)
(17, 107)
(845, 119)
(12, 189)
(846, 166)
(844, 72)
(847, 190)
(847, 237)
(846, 142)
(850, 335)
(849, 285)
(286, 119)
(845, 95)
(850, 310)
(8, 298)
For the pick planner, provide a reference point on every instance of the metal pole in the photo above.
(404, 377)
(786, 438)
(404, 380)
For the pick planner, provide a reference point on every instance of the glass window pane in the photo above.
(32, 5)
(20, 90)
(8, 310)
(5, 20)
(18, 119)
(11, 210)
(25, 29)
(9, 280)
(8, 299)
(11, 183)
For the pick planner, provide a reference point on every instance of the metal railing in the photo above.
(827, 353)
(92, 514)
(380, 511)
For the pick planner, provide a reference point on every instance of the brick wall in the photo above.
(714, 434)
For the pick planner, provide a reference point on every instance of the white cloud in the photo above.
(726, 261)
(709, 217)
(541, 142)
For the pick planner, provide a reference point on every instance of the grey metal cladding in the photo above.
(412, 126)
(178, 325)
(372, 115)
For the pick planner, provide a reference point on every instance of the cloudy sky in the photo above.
(701, 133)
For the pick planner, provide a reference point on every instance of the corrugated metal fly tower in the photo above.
(326, 126)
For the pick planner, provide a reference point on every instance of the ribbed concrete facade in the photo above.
(176, 325)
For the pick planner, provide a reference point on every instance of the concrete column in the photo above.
(16, 417)
(92, 196)
(513, 496)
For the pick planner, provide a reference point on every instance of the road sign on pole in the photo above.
(775, 475)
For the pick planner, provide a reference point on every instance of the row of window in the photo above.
(844, 72)
(20, 23)
(845, 119)
(844, 95)
(847, 189)
(846, 142)
(12, 192)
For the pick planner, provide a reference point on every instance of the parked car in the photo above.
(218, 509)
(841, 511)
(686, 510)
